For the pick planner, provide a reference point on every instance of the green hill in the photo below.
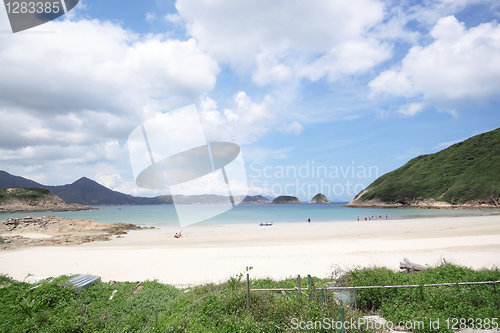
(466, 172)
(29, 195)
(17, 199)
(284, 199)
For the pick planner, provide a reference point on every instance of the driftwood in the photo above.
(410, 266)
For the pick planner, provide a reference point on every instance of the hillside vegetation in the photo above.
(19, 199)
(26, 194)
(468, 171)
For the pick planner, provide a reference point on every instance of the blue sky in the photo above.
(333, 85)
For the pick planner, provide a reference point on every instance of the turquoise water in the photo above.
(248, 213)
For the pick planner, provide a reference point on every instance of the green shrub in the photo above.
(429, 303)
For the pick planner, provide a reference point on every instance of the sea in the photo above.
(157, 215)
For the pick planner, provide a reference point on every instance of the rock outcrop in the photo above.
(53, 230)
(25, 200)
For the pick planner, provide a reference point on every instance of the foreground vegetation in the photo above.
(466, 171)
(56, 307)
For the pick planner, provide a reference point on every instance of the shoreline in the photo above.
(482, 211)
(214, 253)
(458, 207)
(34, 209)
(420, 203)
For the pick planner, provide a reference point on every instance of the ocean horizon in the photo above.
(157, 215)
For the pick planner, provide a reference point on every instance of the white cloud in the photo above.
(93, 65)
(277, 40)
(68, 98)
(270, 71)
(350, 57)
(212, 183)
(150, 17)
(110, 181)
(115, 182)
(411, 109)
(173, 18)
(428, 13)
(293, 127)
(243, 124)
(459, 64)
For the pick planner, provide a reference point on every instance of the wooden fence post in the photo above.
(342, 329)
(309, 285)
(322, 299)
(248, 292)
(298, 283)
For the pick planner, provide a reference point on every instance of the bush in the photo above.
(430, 303)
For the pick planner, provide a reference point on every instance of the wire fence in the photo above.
(340, 288)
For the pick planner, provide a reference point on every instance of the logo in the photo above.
(170, 152)
(24, 15)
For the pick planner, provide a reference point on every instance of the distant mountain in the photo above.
(7, 180)
(269, 198)
(464, 174)
(88, 192)
(85, 191)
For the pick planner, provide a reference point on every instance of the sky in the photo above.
(321, 96)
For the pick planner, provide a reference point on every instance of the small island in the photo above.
(319, 198)
(285, 199)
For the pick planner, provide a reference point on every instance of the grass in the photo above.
(465, 171)
(430, 303)
(55, 307)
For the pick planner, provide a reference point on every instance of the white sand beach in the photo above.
(213, 253)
